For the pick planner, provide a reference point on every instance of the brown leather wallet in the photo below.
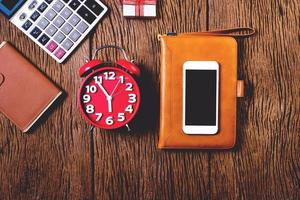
(175, 51)
(25, 93)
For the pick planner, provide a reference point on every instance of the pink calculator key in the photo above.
(52, 46)
(60, 53)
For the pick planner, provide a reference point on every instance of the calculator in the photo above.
(57, 26)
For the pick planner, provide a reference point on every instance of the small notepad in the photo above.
(25, 93)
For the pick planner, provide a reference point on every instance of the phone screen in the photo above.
(200, 97)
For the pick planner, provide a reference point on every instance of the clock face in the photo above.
(109, 98)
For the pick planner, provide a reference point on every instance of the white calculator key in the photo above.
(50, 14)
(67, 44)
(81, 27)
(51, 30)
(66, 13)
(75, 35)
(43, 23)
(58, 5)
(59, 37)
(66, 29)
(59, 21)
(74, 20)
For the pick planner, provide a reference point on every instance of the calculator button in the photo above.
(66, 13)
(74, 20)
(52, 46)
(44, 39)
(34, 16)
(35, 32)
(58, 5)
(60, 53)
(22, 16)
(75, 35)
(86, 14)
(82, 27)
(43, 23)
(32, 5)
(51, 30)
(59, 21)
(67, 44)
(27, 25)
(74, 4)
(49, 1)
(50, 14)
(66, 29)
(94, 6)
(59, 37)
(42, 7)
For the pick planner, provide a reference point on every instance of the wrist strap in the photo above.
(238, 32)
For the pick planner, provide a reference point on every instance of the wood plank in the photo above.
(130, 166)
(265, 162)
(53, 162)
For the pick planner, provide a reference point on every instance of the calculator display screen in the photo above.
(9, 7)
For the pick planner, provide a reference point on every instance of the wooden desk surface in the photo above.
(60, 160)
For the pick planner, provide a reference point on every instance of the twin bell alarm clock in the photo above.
(109, 95)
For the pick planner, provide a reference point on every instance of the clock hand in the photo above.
(103, 90)
(118, 93)
(109, 99)
(115, 88)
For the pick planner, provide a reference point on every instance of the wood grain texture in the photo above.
(53, 161)
(265, 162)
(130, 166)
(60, 160)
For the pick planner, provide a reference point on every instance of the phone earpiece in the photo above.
(130, 67)
(89, 67)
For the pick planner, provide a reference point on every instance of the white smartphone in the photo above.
(200, 97)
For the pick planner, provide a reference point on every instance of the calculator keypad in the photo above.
(27, 25)
(52, 46)
(51, 30)
(34, 16)
(50, 14)
(86, 14)
(43, 23)
(36, 32)
(42, 7)
(74, 20)
(59, 37)
(59, 21)
(58, 25)
(58, 5)
(66, 29)
(44, 39)
(94, 6)
(66, 13)
(74, 4)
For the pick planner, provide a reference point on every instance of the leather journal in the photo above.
(219, 46)
(25, 93)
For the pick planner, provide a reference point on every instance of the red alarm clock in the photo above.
(109, 96)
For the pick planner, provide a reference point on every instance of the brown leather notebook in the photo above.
(25, 93)
(175, 51)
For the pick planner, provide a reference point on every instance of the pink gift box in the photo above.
(139, 8)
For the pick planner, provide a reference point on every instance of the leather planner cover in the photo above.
(175, 51)
(25, 93)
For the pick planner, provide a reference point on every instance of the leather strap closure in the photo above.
(237, 32)
(240, 88)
